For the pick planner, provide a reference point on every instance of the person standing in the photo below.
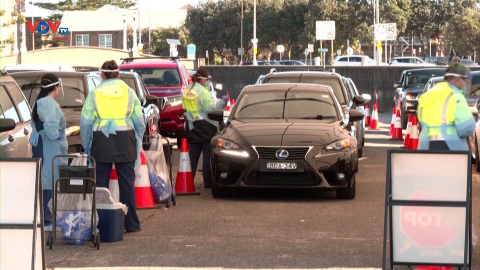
(112, 128)
(48, 137)
(200, 130)
(444, 114)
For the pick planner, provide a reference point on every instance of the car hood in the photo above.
(284, 132)
(165, 91)
(414, 90)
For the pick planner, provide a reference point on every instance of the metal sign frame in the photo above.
(389, 202)
(38, 209)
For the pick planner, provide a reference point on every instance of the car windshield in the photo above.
(159, 76)
(73, 90)
(293, 105)
(418, 78)
(475, 86)
(333, 83)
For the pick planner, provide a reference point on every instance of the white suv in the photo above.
(409, 61)
(353, 60)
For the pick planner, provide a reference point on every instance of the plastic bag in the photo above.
(74, 213)
(158, 171)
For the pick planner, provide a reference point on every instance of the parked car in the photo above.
(286, 135)
(412, 82)
(353, 60)
(474, 139)
(409, 61)
(336, 82)
(75, 91)
(259, 63)
(429, 85)
(164, 77)
(468, 63)
(15, 117)
(289, 63)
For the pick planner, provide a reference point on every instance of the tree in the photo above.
(463, 31)
(69, 5)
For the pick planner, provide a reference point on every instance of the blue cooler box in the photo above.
(111, 219)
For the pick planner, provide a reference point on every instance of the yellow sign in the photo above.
(379, 45)
(254, 50)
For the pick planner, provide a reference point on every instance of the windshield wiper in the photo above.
(318, 117)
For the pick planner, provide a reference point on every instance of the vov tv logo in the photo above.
(44, 27)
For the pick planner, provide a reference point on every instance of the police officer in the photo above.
(444, 113)
(199, 130)
(112, 128)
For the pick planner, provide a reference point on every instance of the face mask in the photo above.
(206, 85)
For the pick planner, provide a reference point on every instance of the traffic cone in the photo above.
(397, 129)
(409, 129)
(413, 140)
(233, 102)
(392, 122)
(367, 115)
(374, 122)
(184, 184)
(113, 185)
(228, 105)
(143, 190)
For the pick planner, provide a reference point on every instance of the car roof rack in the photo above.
(130, 59)
(4, 72)
(85, 68)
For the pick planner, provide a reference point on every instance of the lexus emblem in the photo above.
(282, 154)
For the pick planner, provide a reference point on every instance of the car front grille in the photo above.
(294, 153)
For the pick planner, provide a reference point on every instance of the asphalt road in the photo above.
(259, 229)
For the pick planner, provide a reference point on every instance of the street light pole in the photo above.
(124, 16)
(241, 35)
(255, 41)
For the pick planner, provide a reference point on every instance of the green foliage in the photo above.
(2, 12)
(463, 31)
(85, 4)
(20, 19)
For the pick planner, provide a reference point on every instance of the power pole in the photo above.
(255, 41)
(241, 35)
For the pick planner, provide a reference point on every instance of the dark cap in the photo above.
(202, 74)
(457, 68)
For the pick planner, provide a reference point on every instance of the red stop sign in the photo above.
(427, 226)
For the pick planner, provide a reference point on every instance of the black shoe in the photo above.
(136, 230)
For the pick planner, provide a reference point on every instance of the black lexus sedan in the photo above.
(286, 136)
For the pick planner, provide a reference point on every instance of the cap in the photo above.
(202, 74)
(458, 68)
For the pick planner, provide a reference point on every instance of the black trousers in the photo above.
(438, 145)
(195, 149)
(126, 184)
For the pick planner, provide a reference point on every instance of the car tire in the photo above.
(360, 152)
(349, 192)
(218, 192)
(477, 158)
(404, 118)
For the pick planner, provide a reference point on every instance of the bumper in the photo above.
(411, 106)
(312, 172)
(171, 123)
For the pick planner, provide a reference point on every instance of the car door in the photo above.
(14, 143)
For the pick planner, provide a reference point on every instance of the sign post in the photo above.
(310, 50)
(325, 30)
(428, 208)
(385, 32)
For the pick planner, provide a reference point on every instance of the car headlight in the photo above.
(338, 145)
(409, 97)
(175, 100)
(230, 148)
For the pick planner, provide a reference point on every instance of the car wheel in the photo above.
(477, 158)
(218, 192)
(349, 192)
(360, 152)
(404, 118)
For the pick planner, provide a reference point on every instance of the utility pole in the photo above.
(241, 35)
(255, 41)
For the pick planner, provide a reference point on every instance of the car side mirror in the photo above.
(216, 115)
(367, 98)
(159, 102)
(474, 112)
(6, 124)
(359, 100)
(397, 85)
(355, 116)
(218, 87)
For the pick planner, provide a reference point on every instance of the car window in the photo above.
(334, 83)
(20, 100)
(342, 59)
(294, 105)
(475, 85)
(159, 76)
(93, 82)
(418, 78)
(8, 108)
(143, 90)
(73, 90)
(354, 87)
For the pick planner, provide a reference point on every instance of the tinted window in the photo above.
(335, 84)
(421, 77)
(22, 104)
(159, 76)
(296, 105)
(8, 108)
(475, 87)
(73, 90)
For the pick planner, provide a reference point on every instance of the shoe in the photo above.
(136, 230)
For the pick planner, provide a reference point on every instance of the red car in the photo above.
(164, 78)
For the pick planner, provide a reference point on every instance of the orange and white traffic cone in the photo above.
(113, 185)
(413, 140)
(397, 129)
(184, 184)
(143, 190)
(227, 109)
(374, 125)
(367, 115)
(392, 122)
(409, 129)
(233, 102)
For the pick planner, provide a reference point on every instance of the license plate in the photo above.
(281, 166)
